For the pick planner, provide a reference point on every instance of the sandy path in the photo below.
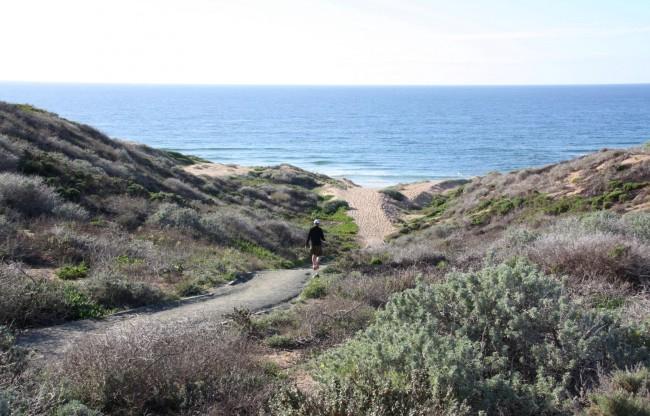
(265, 290)
(367, 211)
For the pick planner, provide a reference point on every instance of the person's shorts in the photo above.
(316, 250)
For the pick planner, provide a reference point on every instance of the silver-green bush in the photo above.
(505, 340)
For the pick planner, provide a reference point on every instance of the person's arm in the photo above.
(322, 234)
(308, 238)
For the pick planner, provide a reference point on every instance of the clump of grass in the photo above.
(283, 342)
(315, 288)
(72, 272)
(189, 287)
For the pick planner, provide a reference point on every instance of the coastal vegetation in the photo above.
(509, 294)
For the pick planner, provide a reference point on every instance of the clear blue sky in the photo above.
(326, 41)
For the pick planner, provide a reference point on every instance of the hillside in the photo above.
(522, 293)
(108, 225)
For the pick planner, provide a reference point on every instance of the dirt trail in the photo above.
(367, 211)
(265, 290)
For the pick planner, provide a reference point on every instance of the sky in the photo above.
(326, 42)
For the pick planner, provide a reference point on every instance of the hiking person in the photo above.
(315, 237)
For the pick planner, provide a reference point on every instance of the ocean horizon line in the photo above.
(315, 85)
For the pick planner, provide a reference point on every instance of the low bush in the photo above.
(189, 287)
(75, 408)
(579, 248)
(70, 211)
(29, 301)
(376, 289)
(368, 396)
(328, 321)
(637, 224)
(119, 292)
(393, 194)
(504, 340)
(172, 215)
(280, 342)
(154, 369)
(624, 393)
(315, 288)
(331, 206)
(73, 272)
(27, 195)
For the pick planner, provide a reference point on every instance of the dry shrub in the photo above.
(184, 189)
(8, 162)
(27, 195)
(332, 320)
(29, 301)
(131, 212)
(121, 292)
(376, 289)
(592, 256)
(167, 369)
(623, 393)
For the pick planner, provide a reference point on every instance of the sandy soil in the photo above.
(217, 170)
(367, 211)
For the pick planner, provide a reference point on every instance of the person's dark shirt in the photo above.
(316, 236)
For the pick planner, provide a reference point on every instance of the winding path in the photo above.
(265, 290)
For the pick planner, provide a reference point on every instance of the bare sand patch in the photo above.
(414, 190)
(635, 159)
(217, 170)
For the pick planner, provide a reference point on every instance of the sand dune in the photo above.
(217, 170)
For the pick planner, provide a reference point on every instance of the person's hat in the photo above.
(316, 222)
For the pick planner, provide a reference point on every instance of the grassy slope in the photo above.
(617, 180)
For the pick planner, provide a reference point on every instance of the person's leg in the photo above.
(314, 261)
(317, 263)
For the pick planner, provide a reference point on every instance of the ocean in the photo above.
(375, 136)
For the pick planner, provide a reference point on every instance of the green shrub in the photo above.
(280, 342)
(637, 224)
(393, 194)
(5, 406)
(316, 288)
(135, 189)
(118, 292)
(80, 306)
(331, 206)
(28, 301)
(370, 397)
(505, 340)
(70, 272)
(189, 287)
(624, 393)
